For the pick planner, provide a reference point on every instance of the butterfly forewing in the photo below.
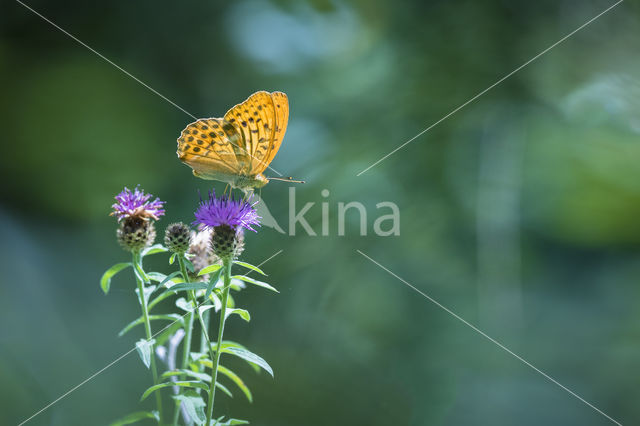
(281, 107)
(256, 120)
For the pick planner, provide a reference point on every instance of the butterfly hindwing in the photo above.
(211, 145)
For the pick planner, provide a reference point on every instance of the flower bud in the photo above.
(136, 233)
(177, 237)
(227, 242)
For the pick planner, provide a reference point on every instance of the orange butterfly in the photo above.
(236, 149)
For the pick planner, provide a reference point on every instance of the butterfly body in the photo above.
(237, 148)
(236, 181)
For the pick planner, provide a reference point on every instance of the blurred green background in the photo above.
(521, 213)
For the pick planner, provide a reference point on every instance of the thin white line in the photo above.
(133, 77)
(492, 86)
(109, 61)
(122, 356)
(491, 339)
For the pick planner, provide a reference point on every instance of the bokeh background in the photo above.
(521, 213)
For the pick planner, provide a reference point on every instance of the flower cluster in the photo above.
(219, 240)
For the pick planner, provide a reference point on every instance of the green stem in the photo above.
(194, 301)
(204, 338)
(147, 329)
(216, 359)
(186, 347)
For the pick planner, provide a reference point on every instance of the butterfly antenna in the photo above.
(287, 179)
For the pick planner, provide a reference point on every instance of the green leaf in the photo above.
(230, 422)
(242, 312)
(249, 356)
(224, 389)
(140, 274)
(169, 277)
(250, 266)
(105, 281)
(184, 304)
(196, 375)
(213, 281)
(159, 277)
(148, 290)
(200, 376)
(181, 383)
(255, 282)
(159, 299)
(209, 269)
(189, 265)
(194, 405)
(154, 249)
(134, 417)
(144, 348)
(187, 287)
(237, 380)
(172, 258)
(167, 317)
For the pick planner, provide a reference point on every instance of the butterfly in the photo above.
(239, 147)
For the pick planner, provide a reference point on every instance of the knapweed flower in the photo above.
(136, 214)
(227, 218)
(137, 203)
(177, 237)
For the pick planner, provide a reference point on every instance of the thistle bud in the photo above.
(136, 233)
(227, 242)
(177, 237)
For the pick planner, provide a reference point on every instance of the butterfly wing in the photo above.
(261, 120)
(281, 106)
(213, 148)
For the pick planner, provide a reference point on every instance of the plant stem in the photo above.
(194, 301)
(147, 329)
(186, 347)
(216, 359)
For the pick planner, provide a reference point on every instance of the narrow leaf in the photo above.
(184, 304)
(140, 274)
(213, 281)
(172, 258)
(154, 249)
(230, 422)
(167, 317)
(135, 417)
(200, 376)
(237, 380)
(187, 287)
(181, 383)
(242, 312)
(248, 356)
(255, 282)
(189, 265)
(194, 405)
(209, 269)
(105, 281)
(250, 266)
(144, 348)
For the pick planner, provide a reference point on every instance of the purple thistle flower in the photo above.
(137, 204)
(216, 212)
